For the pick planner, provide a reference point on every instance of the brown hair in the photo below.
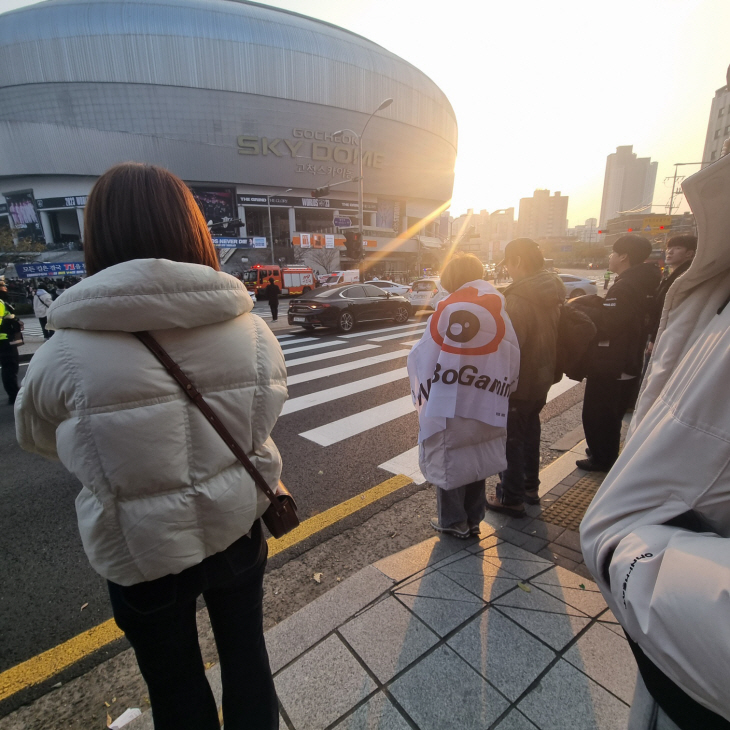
(460, 270)
(529, 253)
(138, 211)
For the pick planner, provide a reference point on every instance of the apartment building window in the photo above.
(721, 112)
(727, 129)
(717, 133)
(713, 156)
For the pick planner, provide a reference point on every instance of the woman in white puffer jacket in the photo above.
(165, 512)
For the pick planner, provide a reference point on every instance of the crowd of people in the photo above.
(167, 512)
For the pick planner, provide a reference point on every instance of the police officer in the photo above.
(9, 358)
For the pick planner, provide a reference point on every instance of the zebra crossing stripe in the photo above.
(345, 428)
(282, 337)
(397, 335)
(410, 343)
(407, 464)
(387, 329)
(342, 391)
(300, 339)
(327, 355)
(345, 367)
(332, 343)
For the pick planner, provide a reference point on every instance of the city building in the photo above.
(588, 233)
(628, 185)
(543, 215)
(655, 227)
(243, 102)
(484, 234)
(718, 128)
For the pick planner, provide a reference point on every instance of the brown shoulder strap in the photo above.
(192, 392)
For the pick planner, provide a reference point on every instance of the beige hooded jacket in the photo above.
(160, 490)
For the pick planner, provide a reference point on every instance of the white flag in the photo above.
(467, 361)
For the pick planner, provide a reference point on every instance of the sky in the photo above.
(544, 91)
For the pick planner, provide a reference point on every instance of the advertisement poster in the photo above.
(215, 204)
(29, 271)
(329, 241)
(22, 210)
(259, 242)
(305, 240)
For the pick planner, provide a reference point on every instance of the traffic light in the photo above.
(661, 228)
(353, 244)
(321, 192)
(630, 230)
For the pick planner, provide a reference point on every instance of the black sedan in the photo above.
(344, 306)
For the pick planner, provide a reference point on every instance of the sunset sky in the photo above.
(544, 91)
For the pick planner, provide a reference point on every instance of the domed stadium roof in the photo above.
(217, 45)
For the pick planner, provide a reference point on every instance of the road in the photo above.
(348, 425)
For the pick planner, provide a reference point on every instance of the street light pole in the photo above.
(360, 189)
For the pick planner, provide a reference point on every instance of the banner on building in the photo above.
(30, 271)
(259, 242)
(304, 240)
(22, 210)
(232, 242)
(329, 241)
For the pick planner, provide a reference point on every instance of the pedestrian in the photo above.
(42, 300)
(272, 293)
(166, 512)
(533, 303)
(615, 358)
(606, 280)
(678, 257)
(657, 535)
(9, 356)
(461, 372)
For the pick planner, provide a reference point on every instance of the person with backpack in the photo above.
(615, 358)
(533, 303)
(42, 300)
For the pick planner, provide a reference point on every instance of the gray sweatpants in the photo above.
(462, 506)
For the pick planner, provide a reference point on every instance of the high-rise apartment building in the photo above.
(543, 215)
(718, 128)
(628, 184)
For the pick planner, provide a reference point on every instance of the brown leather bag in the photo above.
(281, 516)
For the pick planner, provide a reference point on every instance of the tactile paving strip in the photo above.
(568, 511)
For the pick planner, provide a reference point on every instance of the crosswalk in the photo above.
(365, 364)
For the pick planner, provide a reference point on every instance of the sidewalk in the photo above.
(484, 633)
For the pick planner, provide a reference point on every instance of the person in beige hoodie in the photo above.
(166, 512)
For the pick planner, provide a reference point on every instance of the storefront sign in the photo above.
(305, 240)
(71, 201)
(329, 241)
(29, 271)
(259, 242)
(299, 202)
(232, 242)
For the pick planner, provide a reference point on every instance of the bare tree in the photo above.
(325, 258)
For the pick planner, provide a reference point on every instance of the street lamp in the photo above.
(383, 105)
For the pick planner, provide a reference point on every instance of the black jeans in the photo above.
(10, 363)
(523, 450)
(605, 403)
(47, 334)
(158, 619)
(274, 307)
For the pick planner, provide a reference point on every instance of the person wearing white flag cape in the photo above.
(462, 372)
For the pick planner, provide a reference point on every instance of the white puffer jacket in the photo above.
(161, 490)
(669, 585)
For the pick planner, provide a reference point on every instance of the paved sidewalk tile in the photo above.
(502, 652)
(537, 600)
(589, 602)
(606, 658)
(505, 550)
(435, 585)
(561, 577)
(441, 615)
(484, 543)
(407, 562)
(568, 699)
(443, 692)
(486, 587)
(555, 629)
(523, 569)
(388, 637)
(516, 721)
(322, 685)
(294, 635)
(379, 713)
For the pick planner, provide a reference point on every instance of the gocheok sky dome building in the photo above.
(240, 100)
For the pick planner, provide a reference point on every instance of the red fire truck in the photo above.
(292, 280)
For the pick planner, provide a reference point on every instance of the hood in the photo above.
(150, 294)
(543, 288)
(644, 278)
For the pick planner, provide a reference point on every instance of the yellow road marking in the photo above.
(44, 666)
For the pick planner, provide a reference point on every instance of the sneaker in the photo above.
(456, 531)
(532, 496)
(590, 465)
(475, 530)
(495, 502)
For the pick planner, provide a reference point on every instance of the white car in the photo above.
(390, 286)
(426, 293)
(575, 286)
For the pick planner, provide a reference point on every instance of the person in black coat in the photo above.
(615, 358)
(272, 294)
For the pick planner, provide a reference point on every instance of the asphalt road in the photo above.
(44, 574)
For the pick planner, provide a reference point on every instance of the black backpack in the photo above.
(575, 333)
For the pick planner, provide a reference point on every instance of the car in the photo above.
(342, 277)
(345, 306)
(390, 286)
(426, 293)
(577, 286)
